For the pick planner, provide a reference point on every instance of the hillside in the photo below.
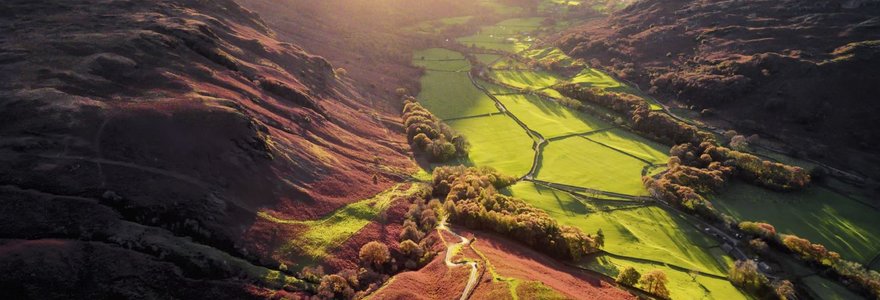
(139, 140)
(803, 72)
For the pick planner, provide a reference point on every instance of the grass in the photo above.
(438, 25)
(590, 77)
(681, 285)
(452, 95)
(825, 289)
(510, 35)
(537, 290)
(580, 162)
(497, 141)
(525, 79)
(550, 54)
(500, 8)
(440, 59)
(634, 230)
(633, 144)
(549, 118)
(322, 235)
(818, 214)
(594, 78)
(487, 59)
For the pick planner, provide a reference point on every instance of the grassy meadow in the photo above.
(497, 141)
(549, 118)
(818, 214)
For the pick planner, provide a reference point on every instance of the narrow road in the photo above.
(472, 280)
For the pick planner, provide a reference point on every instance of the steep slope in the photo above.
(801, 71)
(151, 133)
(368, 38)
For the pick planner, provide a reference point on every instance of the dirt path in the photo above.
(472, 280)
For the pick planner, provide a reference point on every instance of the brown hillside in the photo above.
(156, 130)
(801, 71)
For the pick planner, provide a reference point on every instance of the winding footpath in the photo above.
(472, 280)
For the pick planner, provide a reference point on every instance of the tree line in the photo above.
(471, 198)
(428, 134)
(850, 273)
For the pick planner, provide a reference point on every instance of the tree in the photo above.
(374, 254)
(655, 282)
(335, 286)
(410, 231)
(410, 248)
(758, 245)
(600, 238)
(629, 276)
(785, 290)
(745, 274)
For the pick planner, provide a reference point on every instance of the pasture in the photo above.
(525, 79)
(580, 162)
(818, 214)
(497, 141)
(549, 118)
(632, 144)
(631, 229)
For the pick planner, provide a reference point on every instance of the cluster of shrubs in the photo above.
(414, 242)
(377, 261)
(430, 135)
(471, 199)
(816, 254)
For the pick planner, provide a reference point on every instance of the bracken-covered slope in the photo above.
(138, 140)
(802, 71)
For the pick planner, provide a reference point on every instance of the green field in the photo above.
(550, 54)
(549, 118)
(451, 95)
(438, 25)
(324, 234)
(681, 285)
(487, 59)
(509, 35)
(497, 141)
(441, 60)
(580, 162)
(632, 144)
(633, 230)
(525, 79)
(825, 289)
(818, 214)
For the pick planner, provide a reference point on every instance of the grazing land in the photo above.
(580, 162)
(823, 216)
(549, 118)
(505, 147)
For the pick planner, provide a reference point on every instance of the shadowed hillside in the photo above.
(151, 133)
(804, 72)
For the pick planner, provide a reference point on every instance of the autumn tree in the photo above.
(655, 282)
(335, 287)
(785, 290)
(629, 276)
(745, 274)
(374, 254)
